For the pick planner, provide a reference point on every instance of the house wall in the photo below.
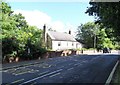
(49, 42)
(78, 45)
(65, 45)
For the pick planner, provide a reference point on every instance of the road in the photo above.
(70, 69)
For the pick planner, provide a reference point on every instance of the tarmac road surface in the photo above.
(70, 69)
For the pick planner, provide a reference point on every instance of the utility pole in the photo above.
(95, 33)
(94, 42)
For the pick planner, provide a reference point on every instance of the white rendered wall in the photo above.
(65, 45)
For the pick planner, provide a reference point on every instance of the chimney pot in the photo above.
(70, 32)
(44, 34)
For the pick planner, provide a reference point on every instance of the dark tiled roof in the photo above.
(60, 36)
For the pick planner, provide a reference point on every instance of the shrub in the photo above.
(9, 47)
(35, 51)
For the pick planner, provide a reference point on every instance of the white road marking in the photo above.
(76, 64)
(19, 66)
(54, 75)
(47, 66)
(26, 71)
(41, 76)
(14, 69)
(33, 71)
(17, 81)
(70, 68)
(11, 70)
(43, 73)
(19, 73)
(38, 65)
(111, 74)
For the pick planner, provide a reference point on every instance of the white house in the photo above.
(60, 41)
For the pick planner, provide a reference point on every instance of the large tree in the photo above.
(16, 34)
(93, 36)
(87, 33)
(108, 14)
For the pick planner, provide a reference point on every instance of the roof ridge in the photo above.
(61, 36)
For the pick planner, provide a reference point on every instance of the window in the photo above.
(59, 43)
(72, 44)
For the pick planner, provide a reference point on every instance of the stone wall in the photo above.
(51, 54)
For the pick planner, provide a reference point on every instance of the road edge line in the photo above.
(111, 74)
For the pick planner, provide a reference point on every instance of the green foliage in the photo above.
(85, 49)
(21, 22)
(103, 40)
(108, 15)
(88, 32)
(9, 45)
(34, 51)
(17, 36)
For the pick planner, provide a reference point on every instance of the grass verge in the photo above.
(116, 76)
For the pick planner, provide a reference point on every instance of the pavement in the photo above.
(69, 69)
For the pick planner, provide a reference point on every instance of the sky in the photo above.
(60, 16)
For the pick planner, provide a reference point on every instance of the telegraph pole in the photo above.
(94, 42)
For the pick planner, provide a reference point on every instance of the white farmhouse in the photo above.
(59, 41)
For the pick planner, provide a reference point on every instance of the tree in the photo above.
(9, 45)
(16, 33)
(108, 14)
(7, 17)
(21, 22)
(93, 36)
(36, 37)
(103, 40)
(86, 34)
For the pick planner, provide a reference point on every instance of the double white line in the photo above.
(41, 76)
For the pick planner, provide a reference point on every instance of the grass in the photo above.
(116, 76)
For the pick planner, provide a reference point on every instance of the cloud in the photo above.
(58, 25)
(38, 18)
(35, 18)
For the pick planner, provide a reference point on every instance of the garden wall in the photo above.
(51, 54)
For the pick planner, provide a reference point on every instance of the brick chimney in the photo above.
(44, 34)
(70, 32)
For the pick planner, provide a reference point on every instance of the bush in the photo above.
(9, 47)
(35, 52)
(117, 48)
